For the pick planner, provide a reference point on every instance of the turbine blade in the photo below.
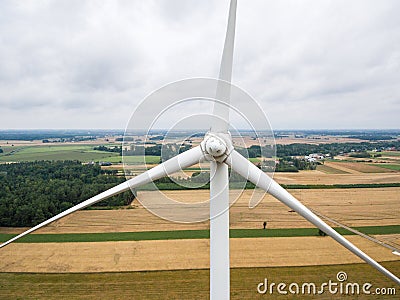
(249, 171)
(181, 161)
(221, 111)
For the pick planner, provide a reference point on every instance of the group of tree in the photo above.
(56, 134)
(170, 149)
(166, 151)
(372, 137)
(115, 149)
(32, 192)
(290, 164)
(286, 164)
(198, 180)
(333, 148)
(364, 154)
(126, 139)
(304, 149)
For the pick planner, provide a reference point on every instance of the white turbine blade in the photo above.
(181, 161)
(249, 171)
(365, 236)
(220, 124)
(219, 231)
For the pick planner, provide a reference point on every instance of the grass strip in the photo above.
(189, 234)
(238, 185)
(341, 186)
(387, 166)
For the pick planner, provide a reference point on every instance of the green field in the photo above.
(255, 159)
(388, 166)
(390, 153)
(84, 153)
(134, 160)
(190, 284)
(188, 234)
(8, 149)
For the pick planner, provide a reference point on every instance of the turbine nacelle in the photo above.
(217, 146)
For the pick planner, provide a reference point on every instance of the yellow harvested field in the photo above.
(354, 167)
(353, 207)
(343, 176)
(390, 239)
(341, 167)
(180, 254)
(316, 140)
(317, 177)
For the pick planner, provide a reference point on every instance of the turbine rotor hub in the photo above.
(217, 146)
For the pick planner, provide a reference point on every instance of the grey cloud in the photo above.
(81, 58)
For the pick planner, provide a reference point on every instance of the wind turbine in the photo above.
(217, 148)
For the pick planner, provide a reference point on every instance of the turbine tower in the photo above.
(217, 148)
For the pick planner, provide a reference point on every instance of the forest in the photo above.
(32, 192)
(165, 150)
(333, 149)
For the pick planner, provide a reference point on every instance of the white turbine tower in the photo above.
(217, 148)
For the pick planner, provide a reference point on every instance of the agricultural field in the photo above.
(358, 167)
(117, 256)
(182, 284)
(316, 139)
(320, 176)
(83, 153)
(390, 153)
(389, 166)
(134, 160)
(131, 253)
(146, 255)
(330, 170)
(353, 207)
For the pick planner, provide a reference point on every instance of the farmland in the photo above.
(146, 254)
(356, 167)
(123, 256)
(390, 167)
(353, 207)
(181, 284)
(60, 152)
(189, 234)
(84, 153)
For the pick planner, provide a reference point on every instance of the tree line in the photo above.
(31, 192)
(304, 149)
(169, 150)
(165, 150)
(333, 148)
(115, 149)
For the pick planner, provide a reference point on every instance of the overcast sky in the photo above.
(310, 64)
